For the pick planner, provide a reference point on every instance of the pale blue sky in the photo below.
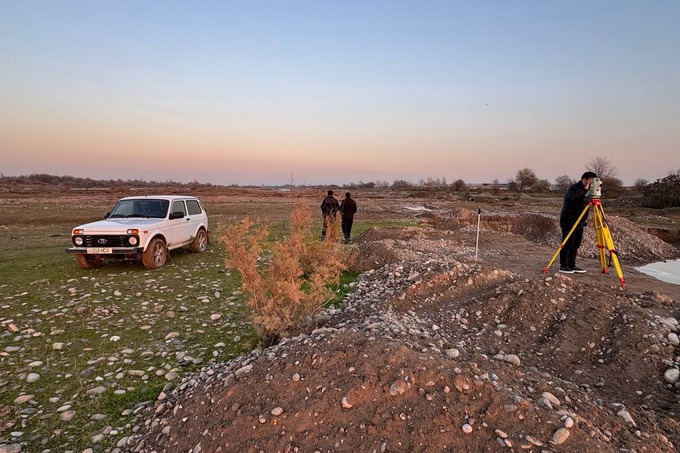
(246, 92)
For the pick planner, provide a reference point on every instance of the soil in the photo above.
(441, 348)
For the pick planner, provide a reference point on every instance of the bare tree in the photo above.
(563, 182)
(640, 184)
(602, 166)
(525, 178)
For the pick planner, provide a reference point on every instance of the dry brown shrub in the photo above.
(293, 283)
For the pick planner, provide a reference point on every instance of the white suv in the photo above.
(145, 228)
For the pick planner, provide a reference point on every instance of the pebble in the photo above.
(57, 346)
(467, 429)
(672, 375)
(512, 359)
(277, 411)
(32, 377)
(23, 399)
(673, 339)
(560, 436)
(452, 353)
(398, 387)
(96, 391)
(551, 398)
(10, 448)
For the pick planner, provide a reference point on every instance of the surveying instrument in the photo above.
(604, 236)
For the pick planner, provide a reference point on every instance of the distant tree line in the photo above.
(72, 182)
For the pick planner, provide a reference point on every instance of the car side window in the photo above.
(193, 207)
(178, 206)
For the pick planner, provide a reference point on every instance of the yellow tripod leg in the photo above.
(545, 269)
(609, 241)
(598, 221)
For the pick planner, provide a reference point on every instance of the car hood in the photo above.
(119, 225)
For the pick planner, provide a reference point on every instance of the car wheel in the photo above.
(89, 261)
(155, 255)
(200, 242)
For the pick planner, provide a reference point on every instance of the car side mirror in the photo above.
(176, 215)
(106, 216)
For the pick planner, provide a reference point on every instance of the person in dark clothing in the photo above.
(347, 209)
(329, 207)
(575, 201)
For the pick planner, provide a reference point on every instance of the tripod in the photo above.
(604, 239)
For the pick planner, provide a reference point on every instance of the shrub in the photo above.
(663, 193)
(293, 282)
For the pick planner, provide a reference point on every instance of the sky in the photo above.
(333, 92)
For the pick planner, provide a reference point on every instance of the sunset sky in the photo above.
(248, 92)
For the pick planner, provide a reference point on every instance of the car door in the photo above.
(181, 228)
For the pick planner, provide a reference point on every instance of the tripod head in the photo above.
(595, 190)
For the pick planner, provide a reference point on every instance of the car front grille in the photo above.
(106, 241)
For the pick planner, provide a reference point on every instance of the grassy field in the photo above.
(81, 350)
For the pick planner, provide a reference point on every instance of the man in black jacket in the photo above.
(347, 209)
(329, 207)
(575, 201)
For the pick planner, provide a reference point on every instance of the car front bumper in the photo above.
(103, 251)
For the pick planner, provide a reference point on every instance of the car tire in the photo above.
(89, 261)
(200, 243)
(155, 255)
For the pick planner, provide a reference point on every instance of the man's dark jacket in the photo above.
(575, 200)
(348, 207)
(329, 206)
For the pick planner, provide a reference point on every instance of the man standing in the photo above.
(329, 207)
(347, 208)
(575, 201)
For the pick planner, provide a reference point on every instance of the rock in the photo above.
(672, 375)
(452, 353)
(10, 448)
(552, 398)
(97, 391)
(67, 416)
(277, 411)
(398, 387)
(215, 317)
(172, 335)
(57, 346)
(114, 338)
(673, 339)
(512, 359)
(560, 436)
(345, 403)
(625, 415)
(32, 377)
(23, 399)
(568, 422)
(467, 429)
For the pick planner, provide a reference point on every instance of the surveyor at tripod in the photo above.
(575, 201)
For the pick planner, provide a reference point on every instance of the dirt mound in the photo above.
(434, 351)
(633, 244)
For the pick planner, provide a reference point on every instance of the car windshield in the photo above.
(151, 208)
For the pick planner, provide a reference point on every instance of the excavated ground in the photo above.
(438, 351)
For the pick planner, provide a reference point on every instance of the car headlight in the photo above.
(78, 241)
(132, 240)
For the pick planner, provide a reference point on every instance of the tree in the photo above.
(611, 187)
(602, 166)
(563, 182)
(525, 178)
(640, 184)
(459, 185)
(541, 185)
